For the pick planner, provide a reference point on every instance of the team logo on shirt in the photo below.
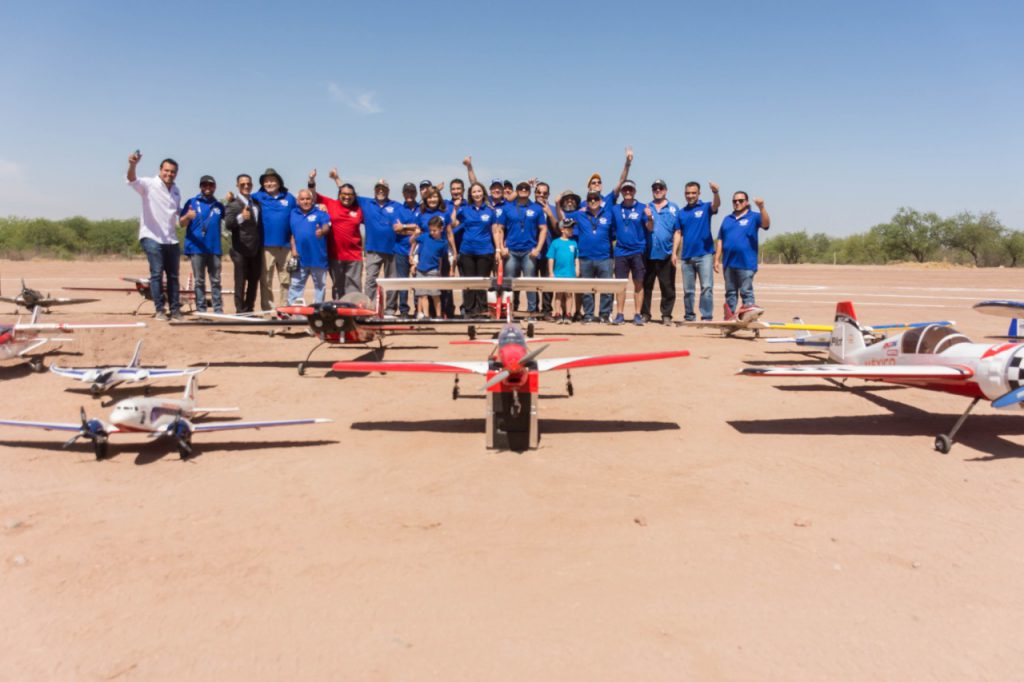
(530, 212)
(603, 221)
(744, 222)
(485, 217)
(352, 214)
(283, 202)
(698, 213)
(215, 211)
(634, 215)
(311, 218)
(390, 209)
(672, 210)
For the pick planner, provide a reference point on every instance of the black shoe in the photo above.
(667, 321)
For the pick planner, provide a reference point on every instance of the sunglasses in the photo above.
(245, 184)
(658, 188)
(595, 200)
(739, 201)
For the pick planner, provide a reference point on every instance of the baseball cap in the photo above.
(382, 183)
(407, 186)
(594, 195)
(628, 184)
(496, 182)
(571, 195)
(207, 180)
(567, 223)
(592, 177)
(659, 182)
(507, 183)
(426, 183)
(523, 185)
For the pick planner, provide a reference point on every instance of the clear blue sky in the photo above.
(836, 114)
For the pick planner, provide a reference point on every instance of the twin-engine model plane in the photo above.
(155, 417)
(932, 357)
(512, 381)
(344, 322)
(20, 339)
(1011, 309)
(101, 379)
(30, 299)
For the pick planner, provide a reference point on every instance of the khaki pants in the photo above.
(274, 258)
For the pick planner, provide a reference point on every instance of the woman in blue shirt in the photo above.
(476, 257)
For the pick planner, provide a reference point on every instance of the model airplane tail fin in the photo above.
(847, 337)
(1014, 331)
(191, 389)
(137, 355)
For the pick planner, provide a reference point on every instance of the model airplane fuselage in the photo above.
(30, 299)
(101, 379)
(18, 340)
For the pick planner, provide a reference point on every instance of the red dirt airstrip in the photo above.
(677, 522)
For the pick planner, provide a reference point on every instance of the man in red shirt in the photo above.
(345, 245)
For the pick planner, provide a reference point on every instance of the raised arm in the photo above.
(766, 221)
(468, 163)
(716, 200)
(133, 161)
(625, 171)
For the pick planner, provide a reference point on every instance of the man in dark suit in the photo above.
(242, 218)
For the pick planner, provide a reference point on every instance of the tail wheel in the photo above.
(529, 330)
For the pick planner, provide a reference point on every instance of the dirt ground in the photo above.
(677, 522)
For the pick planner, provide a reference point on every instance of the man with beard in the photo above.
(345, 247)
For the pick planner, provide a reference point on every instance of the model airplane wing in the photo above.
(233, 426)
(1013, 309)
(479, 367)
(881, 373)
(740, 325)
(544, 365)
(47, 302)
(53, 426)
(69, 372)
(124, 289)
(460, 283)
(63, 327)
(570, 285)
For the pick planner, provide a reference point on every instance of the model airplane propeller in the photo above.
(512, 381)
(101, 379)
(932, 357)
(155, 417)
(30, 299)
(20, 339)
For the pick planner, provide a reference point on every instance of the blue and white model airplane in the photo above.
(1011, 309)
(101, 379)
(155, 417)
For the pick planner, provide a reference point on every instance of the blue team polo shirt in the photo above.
(563, 253)
(424, 216)
(522, 224)
(402, 243)
(429, 252)
(276, 211)
(380, 222)
(312, 249)
(695, 222)
(739, 240)
(203, 233)
(630, 230)
(594, 233)
(477, 239)
(666, 224)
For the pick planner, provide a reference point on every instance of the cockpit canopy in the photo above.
(931, 339)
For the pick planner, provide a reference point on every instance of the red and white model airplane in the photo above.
(155, 417)
(512, 381)
(20, 339)
(932, 357)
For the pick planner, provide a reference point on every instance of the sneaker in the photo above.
(605, 320)
(645, 318)
(667, 321)
(638, 320)
(588, 319)
(177, 317)
(161, 316)
(577, 317)
(619, 319)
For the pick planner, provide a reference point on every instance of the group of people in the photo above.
(358, 239)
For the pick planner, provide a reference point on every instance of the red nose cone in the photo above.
(510, 357)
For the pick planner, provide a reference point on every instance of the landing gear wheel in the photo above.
(943, 443)
(471, 330)
(529, 330)
(568, 388)
(95, 390)
(271, 333)
(36, 365)
(101, 447)
(455, 393)
(302, 369)
(185, 448)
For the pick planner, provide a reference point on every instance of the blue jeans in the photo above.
(703, 267)
(402, 270)
(600, 269)
(163, 258)
(201, 264)
(522, 263)
(741, 281)
(298, 285)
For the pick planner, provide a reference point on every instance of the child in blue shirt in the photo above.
(563, 254)
(428, 251)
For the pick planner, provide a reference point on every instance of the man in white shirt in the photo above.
(158, 237)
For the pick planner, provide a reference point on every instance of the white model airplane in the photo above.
(102, 379)
(157, 418)
(1011, 309)
(20, 339)
(32, 299)
(932, 357)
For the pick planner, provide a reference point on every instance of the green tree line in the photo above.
(71, 237)
(965, 238)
